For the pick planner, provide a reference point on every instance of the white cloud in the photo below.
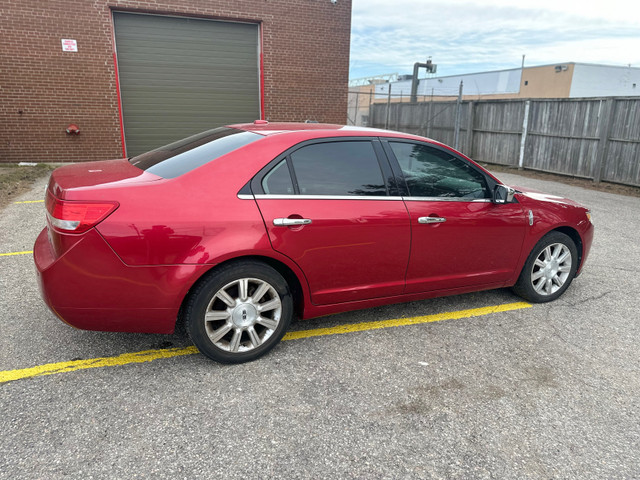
(463, 37)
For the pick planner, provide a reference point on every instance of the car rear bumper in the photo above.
(90, 288)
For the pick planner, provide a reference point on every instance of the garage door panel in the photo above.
(166, 76)
(180, 94)
(180, 76)
(183, 36)
(195, 107)
(175, 52)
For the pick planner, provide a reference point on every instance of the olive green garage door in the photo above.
(180, 76)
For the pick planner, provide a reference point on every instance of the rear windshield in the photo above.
(183, 156)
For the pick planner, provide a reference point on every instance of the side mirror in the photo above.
(503, 194)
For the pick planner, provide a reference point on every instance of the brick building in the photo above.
(135, 74)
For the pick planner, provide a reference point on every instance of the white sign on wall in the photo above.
(69, 45)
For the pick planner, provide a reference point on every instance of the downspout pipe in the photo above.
(414, 80)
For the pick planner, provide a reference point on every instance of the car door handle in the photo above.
(288, 222)
(431, 220)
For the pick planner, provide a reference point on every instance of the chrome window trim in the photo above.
(266, 196)
(447, 199)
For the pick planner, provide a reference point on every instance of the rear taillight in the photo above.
(76, 216)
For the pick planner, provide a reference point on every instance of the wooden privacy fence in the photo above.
(595, 138)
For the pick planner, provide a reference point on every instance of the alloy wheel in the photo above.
(242, 315)
(551, 269)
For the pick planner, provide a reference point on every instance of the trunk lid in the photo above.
(82, 195)
(71, 182)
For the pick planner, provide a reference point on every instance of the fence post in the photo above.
(355, 117)
(456, 128)
(605, 124)
(429, 114)
(523, 139)
(469, 144)
(386, 122)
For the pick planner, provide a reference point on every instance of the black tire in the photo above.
(226, 336)
(533, 284)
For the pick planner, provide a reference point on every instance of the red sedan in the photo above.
(238, 229)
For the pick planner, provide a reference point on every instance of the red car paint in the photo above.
(133, 270)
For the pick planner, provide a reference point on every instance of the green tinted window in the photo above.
(430, 172)
(338, 168)
(278, 180)
(185, 155)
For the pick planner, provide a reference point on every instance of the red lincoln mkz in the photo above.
(238, 229)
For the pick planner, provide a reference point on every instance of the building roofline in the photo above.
(608, 66)
(474, 73)
(528, 67)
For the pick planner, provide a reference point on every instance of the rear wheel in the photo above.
(240, 312)
(549, 270)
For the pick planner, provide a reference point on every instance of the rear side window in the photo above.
(185, 155)
(338, 168)
(278, 180)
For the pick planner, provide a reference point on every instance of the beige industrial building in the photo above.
(561, 80)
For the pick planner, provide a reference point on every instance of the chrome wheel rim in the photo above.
(551, 269)
(242, 315)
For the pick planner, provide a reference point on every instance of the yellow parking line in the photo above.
(124, 359)
(15, 253)
(31, 201)
(401, 322)
(150, 355)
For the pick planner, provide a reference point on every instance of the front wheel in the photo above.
(240, 312)
(549, 270)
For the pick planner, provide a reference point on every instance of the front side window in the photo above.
(430, 172)
(338, 168)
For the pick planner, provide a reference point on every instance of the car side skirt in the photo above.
(312, 311)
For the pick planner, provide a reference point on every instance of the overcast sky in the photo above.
(389, 36)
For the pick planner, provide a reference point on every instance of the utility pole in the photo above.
(458, 114)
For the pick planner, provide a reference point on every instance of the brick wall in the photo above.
(43, 89)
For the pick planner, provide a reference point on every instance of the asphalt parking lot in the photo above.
(548, 391)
